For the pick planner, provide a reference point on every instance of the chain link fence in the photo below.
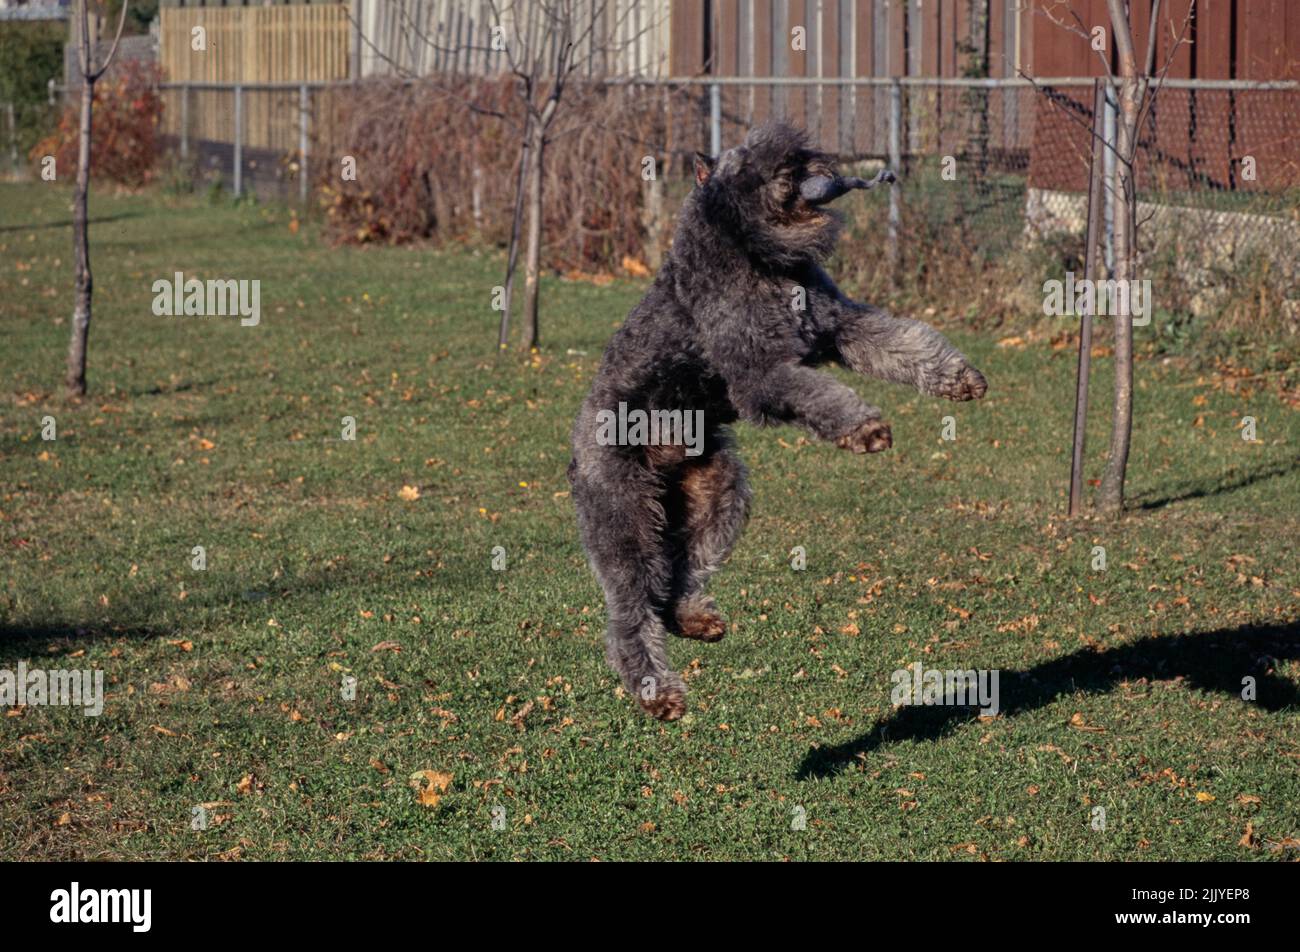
(989, 169)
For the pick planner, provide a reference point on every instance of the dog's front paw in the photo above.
(869, 437)
(960, 382)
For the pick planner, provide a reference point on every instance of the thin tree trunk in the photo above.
(1110, 499)
(533, 261)
(1091, 270)
(76, 377)
(512, 251)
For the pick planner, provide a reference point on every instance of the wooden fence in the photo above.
(415, 37)
(299, 43)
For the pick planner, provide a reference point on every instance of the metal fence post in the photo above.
(715, 119)
(355, 14)
(1111, 180)
(185, 121)
(304, 113)
(239, 140)
(13, 138)
(896, 164)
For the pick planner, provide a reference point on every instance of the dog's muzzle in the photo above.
(820, 189)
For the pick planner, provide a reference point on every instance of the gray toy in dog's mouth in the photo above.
(820, 189)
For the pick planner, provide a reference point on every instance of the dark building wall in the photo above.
(1230, 39)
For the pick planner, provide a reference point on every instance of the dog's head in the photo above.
(770, 194)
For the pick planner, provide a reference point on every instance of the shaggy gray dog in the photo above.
(732, 328)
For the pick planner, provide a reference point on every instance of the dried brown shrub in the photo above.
(435, 163)
(124, 133)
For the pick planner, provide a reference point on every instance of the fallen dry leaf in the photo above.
(430, 785)
(177, 683)
(1248, 838)
(518, 719)
(1078, 723)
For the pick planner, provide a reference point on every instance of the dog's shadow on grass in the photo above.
(32, 639)
(1208, 661)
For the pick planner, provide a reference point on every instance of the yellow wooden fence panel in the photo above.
(281, 44)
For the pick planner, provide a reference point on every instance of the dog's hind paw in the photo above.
(699, 619)
(869, 437)
(666, 705)
(702, 626)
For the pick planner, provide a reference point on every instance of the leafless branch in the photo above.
(1080, 30)
(1123, 34)
(406, 75)
(1149, 99)
(1071, 116)
(83, 47)
(1151, 35)
(108, 61)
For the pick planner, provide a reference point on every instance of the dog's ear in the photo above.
(703, 167)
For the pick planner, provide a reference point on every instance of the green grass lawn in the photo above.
(1120, 689)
